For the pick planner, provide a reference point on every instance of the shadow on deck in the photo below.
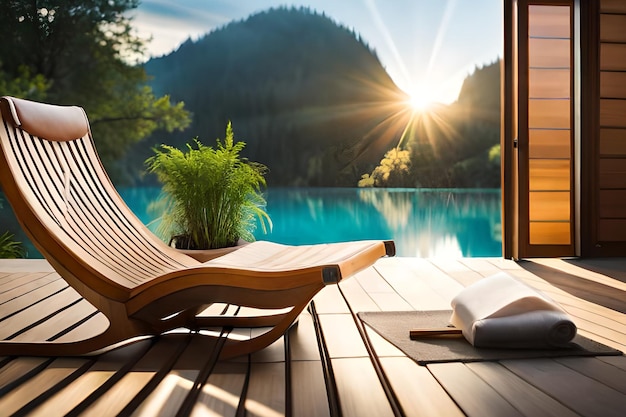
(329, 364)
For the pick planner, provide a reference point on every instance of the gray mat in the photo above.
(395, 327)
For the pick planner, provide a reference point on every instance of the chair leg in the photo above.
(237, 348)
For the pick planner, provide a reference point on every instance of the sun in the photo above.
(422, 98)
(420, 102)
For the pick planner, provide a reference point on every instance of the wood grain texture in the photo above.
(612, 28)
(612, 113)
(46, 379)
(419, 393)
(266, 394)
(470, 392)
(612, 57)
(612, 142)
(580, 393)
(529, 400)
(612, 6)
(156, 376)
(550, 143)
(354, 376)
(549, 21)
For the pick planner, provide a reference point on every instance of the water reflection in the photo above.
(423, 223)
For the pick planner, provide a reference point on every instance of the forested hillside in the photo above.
(462, 147)
(313, 103)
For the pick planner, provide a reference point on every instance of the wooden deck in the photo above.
(327, 365)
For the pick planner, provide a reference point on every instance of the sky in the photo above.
(428, 47)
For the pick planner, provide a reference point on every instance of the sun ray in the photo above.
(382, 27)
(441, 32)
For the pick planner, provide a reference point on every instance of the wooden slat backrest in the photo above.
(66, 202)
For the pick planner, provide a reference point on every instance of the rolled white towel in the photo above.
(502, 312)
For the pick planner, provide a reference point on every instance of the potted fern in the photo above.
(211, 197)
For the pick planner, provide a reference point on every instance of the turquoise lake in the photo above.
(425, 223)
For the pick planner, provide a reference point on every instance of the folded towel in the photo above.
(500, 311)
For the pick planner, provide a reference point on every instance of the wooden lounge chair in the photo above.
(52, 176)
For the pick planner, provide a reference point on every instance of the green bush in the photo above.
(211, 197)
(9, 247)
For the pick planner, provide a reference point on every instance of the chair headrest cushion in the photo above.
(46, 121)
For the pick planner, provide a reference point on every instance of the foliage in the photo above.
(494, 154)
(23, 84)
(212, 196)
(82, 52)
(9, 248)
(454, 146)
(391, 172)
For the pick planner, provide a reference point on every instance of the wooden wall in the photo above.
(611, 180)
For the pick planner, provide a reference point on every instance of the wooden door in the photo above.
(538, 130)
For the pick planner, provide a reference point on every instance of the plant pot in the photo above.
(204, 255)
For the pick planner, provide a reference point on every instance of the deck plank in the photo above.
(526, 398)
(303, 340)
(131, 384)
(582, 386)
(382, 294)
(14, 285)
(92, 327)
(471, 393)
(486, 267)
(167, 398)
(59, 322)
(102, 371)
(222, 391)
(25, 296)
(417, 293)
(43, 381)
(360, 300)
(458, 271)
(582, 393)
(330, 301)
(17, 368)
(308, 384)
(21, 321)
(359, 388)
(583, 269)
(341, 336)
(617, 361)
(437, 280)
(22, 265)
(308, 387)
(418, 391)
(598, 370)
(266, 393)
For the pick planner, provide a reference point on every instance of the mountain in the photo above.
(307, 95)
(314, 104)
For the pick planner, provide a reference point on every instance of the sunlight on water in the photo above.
(423, 223)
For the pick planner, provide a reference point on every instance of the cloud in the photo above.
(170, 23)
